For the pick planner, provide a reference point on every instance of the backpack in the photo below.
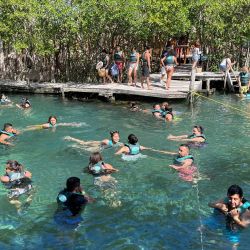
(114, 70)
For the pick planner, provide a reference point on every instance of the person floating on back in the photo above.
(94, 146)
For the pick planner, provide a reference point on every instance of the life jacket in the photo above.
(133, 57)
(64, 199)
(244, 78)
(197, 136)
(7, 133)
(133, 149)
(243, 207)
(97, 169)
(162, 112)
(118, 56)
(179, 160)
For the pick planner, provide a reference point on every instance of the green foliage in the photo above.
(72, 32)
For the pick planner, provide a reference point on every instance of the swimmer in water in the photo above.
(132, 147)
(183, 163)
(52, 123)
(167, 111)
(235, 207)
(99, 169)
(71, 201)
(24, 104)
(102, 178)
(7, 133)
(114, 141)
(197, 136)
(4, 100)
(18, 182)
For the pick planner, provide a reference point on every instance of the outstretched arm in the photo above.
(177, 138)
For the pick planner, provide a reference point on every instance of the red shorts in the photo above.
(119, 65)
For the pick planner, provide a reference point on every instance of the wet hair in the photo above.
(14, 166)
(200, 128)
(72, 183)
(52, 116)
(132, 139)
(6, 126)
(185, 146)
(95, 158)
(235, 189)
(25, 101)
(114, 132)
(156, 105)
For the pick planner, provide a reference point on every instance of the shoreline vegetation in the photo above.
(60, 41)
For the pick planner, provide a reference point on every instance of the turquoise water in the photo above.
(158, 210)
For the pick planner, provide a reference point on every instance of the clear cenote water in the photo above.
(158, 210)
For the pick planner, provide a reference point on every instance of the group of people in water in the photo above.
(72, 200)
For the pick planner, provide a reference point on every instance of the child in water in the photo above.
(4, 100)
(183, 163)
(94, 146)
(18, 181)
(52, 123)
(102, 177)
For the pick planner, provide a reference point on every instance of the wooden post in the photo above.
(191, 86)
(208, 86)
(62, 92)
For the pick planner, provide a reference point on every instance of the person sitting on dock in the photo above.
(183, 163)
(8, 132)
(244, 81)
(94, 146)
(226, 64)
(197, 136)
(169, 61)
(235, 207)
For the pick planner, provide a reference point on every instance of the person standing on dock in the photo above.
(195, 54)
(106, 65)
(146, 67)
(119, 58)
(169, 61)
(133, 66)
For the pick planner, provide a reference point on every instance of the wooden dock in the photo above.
(181, 85)
(178, 89)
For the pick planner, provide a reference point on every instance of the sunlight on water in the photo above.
(150, 208)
